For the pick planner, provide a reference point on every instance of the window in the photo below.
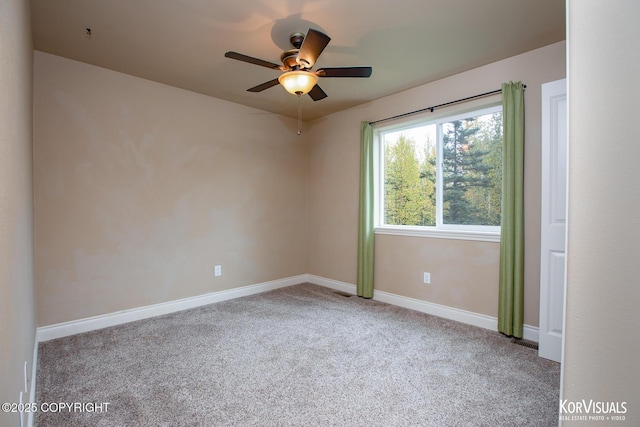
(442, 176)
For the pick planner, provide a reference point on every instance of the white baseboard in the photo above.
(32, 384)
(483, 321)
(333, 284)
(531, 333)
(60, 330)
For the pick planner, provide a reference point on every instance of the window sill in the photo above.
(481, 236)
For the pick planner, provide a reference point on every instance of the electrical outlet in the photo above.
(427, 278)
(217, 271)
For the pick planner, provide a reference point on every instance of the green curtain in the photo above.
(511, 293)
(365, 222)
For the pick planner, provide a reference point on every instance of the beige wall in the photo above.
(141, 188)
(464, 274)
(602, 342)
(17, 316)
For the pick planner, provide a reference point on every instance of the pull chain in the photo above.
(299, 115)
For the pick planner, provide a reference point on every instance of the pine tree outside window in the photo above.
(442, 174)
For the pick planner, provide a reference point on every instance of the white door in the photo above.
(553, 218)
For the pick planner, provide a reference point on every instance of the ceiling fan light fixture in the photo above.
(298, 82)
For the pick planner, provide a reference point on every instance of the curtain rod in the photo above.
(457, 101)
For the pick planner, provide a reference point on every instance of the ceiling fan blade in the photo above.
(252, 60)
(312, 46)
(316, 93)
(345, 72)
(265, 85)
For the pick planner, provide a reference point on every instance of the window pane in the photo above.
(472, 170)
(409, 176)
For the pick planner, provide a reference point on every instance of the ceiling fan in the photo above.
(297, 77)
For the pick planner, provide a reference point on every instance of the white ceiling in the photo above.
(182, 42)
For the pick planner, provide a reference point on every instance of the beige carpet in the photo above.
(298, 356)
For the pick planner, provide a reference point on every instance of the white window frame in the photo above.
(443, 231)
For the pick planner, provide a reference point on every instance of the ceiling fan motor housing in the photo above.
(296, 40)
(288, 58)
